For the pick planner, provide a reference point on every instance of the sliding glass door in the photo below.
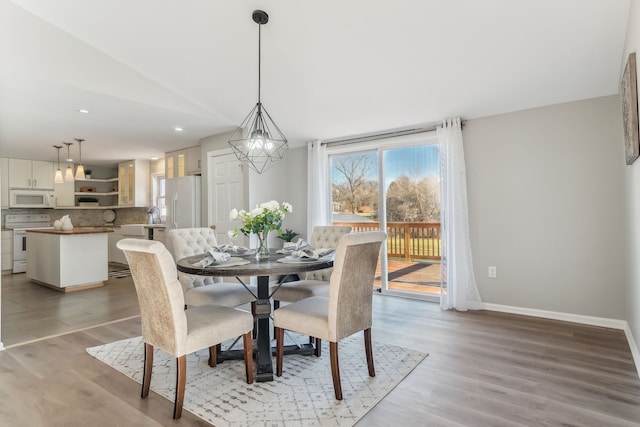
(394, 187)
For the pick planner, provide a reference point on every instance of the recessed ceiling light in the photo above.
(154, 158)
(178, 129)
(83, 111)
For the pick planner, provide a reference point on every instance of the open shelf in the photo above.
(98, 180)
(93, 193)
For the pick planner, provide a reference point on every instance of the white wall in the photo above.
(546, 197)
(632, 182)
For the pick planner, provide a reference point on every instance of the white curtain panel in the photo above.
(459, 289)
(318, 205)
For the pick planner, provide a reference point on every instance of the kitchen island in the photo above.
(68, 260)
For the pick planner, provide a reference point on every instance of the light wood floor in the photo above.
(31, 311)
(484, 369)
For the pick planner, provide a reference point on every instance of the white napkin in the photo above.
(302, 249)
(289, 247)
(310, 252)
(214, 257)
(229, 249)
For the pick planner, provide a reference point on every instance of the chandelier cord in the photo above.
(259, 60)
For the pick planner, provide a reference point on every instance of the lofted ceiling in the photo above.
(330, 68)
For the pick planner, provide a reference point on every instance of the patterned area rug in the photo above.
(119, 274)
(303, 396)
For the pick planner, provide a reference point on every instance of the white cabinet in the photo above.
(42, 174)
(20, 173)
(133, 181)
(175, 164)
(126, 231)
(159, 234)
(193, 160)
(115, 254)
(6, 260)
(181, 163)
(63, 194)
(34, 174)
(4, 182)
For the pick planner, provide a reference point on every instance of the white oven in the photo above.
(20, 224)
(31, 199)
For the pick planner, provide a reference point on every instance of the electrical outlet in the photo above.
(492, 272)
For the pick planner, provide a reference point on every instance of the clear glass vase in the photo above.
(263, 245)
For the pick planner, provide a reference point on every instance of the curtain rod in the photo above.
(383, 135)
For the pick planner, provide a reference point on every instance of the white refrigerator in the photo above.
(183, 198)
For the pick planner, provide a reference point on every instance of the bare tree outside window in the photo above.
(410, 197)
(354, 184)
(410, 179)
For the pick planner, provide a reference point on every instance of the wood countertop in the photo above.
(77, 230)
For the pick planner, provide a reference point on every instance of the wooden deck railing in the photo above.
(406, 240)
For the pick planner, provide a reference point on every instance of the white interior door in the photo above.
(226, 191)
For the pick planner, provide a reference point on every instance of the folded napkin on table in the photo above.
(229, 248)
(302, 249)
(289, 247)
(214, 257)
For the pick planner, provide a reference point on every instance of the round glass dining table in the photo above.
(261, 269)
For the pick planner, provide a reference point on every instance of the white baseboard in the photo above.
(635, 350)
(575, 318)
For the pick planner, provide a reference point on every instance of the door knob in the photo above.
(213, 227)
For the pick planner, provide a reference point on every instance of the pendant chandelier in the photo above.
(57, 178)
(258, 141)
(80, 168)
(68, 175)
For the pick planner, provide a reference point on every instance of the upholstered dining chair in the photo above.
(315, 283)
(168, 326)
(198, 290)
(347, 309)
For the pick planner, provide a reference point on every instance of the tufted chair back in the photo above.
(326, 236)
(184, 242)
(164, 324)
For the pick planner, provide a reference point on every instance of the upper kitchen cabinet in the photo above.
(4, 182)
(64, 194)
(181, 163)
(133, 182)
(35, 174)
(174, 164)
(193, 160)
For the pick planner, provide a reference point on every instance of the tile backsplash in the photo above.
(86, 217)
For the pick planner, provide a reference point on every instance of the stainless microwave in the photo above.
(31, 199)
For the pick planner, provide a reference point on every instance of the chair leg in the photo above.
(213, 356)
(181, 379)
(318, 349)
(369, 350)
(335, 369)
(279, 350)
(248, 356)
(254, 333)
(276, 305)
(148, 367)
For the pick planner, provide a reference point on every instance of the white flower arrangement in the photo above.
(263, 218)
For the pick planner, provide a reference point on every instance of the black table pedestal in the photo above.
(264, 363)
